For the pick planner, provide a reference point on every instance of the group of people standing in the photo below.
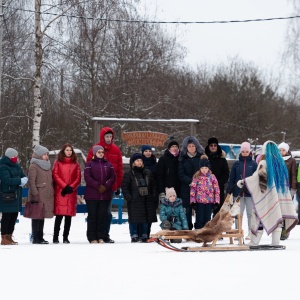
(182, 180)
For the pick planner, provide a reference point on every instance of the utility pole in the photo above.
(283, 136)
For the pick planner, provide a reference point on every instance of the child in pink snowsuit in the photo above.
(204, 192)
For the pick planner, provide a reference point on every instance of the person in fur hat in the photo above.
(189, 160)
(271, 197)
(172, 214)
(219, 167)
(167, 170)
(139, 192)
(291, 165)
(204, 192)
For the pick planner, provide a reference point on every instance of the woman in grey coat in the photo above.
(40, 189)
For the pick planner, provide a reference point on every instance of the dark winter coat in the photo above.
(174, 213)
(292, 170)
(10, 176)
(241, 169)
(167, 172)
(112, 153)
(98, 171)
(187, 167)
(66, 172)
(151, 164)
(141, 209)
(219, 165)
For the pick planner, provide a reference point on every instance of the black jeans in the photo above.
(8, 222)
(67, 226)
(97, 219)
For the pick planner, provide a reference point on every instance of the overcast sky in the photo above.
(258, 42)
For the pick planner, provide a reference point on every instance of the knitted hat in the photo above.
(170, 192)
(146, 147)
(204, 162)
(284, 146)
(172, 143)
(97, 148)
(11, 152)
(245, 146)
(134, 157)
(40, 150)
(212, 140)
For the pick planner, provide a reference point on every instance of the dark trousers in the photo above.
(138, 230)
(8, 222)
(97, 219)
(188, 212)
(37, 229)
(222, 199)
(203, 214)
(67, 226)
(109, 219)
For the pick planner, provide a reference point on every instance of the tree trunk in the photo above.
(38, 75)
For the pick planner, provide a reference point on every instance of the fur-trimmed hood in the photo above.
(220, 153)
(190, 140)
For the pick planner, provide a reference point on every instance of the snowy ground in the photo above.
(142, 271)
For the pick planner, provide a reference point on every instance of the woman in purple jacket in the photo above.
(99, 176)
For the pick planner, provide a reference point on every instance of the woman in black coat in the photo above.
(139, 191)
(189, 159)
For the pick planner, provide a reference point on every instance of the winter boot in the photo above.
(255, 239)
(166, 225)
(9, 237)
(4, 240)
(67, 229)
(276, 236)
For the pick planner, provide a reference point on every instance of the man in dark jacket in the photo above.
(219, 167)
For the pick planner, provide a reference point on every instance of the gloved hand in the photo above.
(67, 190)
(240, 183)
(293, 192)
(34, 198)
(101, 188)
(117, 192)
(161, 196)
(23, 181)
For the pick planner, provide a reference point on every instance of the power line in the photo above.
(164, 22)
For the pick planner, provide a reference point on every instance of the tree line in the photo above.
(91, 67)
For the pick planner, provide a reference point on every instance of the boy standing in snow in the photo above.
(204, 193)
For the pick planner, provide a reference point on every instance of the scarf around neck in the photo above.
(44, 164)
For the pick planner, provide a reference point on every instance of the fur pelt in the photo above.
(222, 222)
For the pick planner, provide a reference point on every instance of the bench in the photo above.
(81, 208)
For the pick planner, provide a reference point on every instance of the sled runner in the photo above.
(211, 248)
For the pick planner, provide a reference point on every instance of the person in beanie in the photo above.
(219, 167)
(149, 161)
(99, 176)
(67, 177)
(12, 180)
(172, 214)
(112, 153)
(291, 165)
(40, 184)
(271, 197)
(241, 169)
(189, 160)
(204, 192)
(167, 170)
(139, 192)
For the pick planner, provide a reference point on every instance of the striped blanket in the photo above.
(270, 208)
